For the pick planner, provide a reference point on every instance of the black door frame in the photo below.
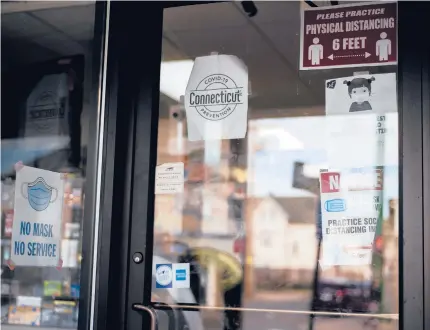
(134, 57)
(426, 180)
(425, 94)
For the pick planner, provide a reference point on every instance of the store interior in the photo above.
(40, 39)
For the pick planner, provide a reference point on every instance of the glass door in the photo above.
(266, 177)
(51, 77)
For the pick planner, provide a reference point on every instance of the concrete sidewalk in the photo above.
(287, 295)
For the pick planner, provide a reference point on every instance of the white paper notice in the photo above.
(216, 98)
(50, 96)
(36, 232)
(169, 178)
(351, 208)
(361, 121)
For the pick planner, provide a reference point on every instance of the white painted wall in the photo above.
(278, 244)
(269, 231)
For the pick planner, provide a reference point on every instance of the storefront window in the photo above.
(46, 109)
(277, 182)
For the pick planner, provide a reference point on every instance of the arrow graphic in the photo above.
(366, 55)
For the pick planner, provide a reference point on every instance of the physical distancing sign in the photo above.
(349, 36)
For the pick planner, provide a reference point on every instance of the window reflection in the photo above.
(250, 219)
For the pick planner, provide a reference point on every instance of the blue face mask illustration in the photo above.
(39, 194)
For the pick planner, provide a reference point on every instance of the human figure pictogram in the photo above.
(383, 47)
(315, 52)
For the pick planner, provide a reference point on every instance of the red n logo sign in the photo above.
(330, 182)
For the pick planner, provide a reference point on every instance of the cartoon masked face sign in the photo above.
(360, 91)
(39, 194)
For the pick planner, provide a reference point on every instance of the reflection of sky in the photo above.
(272, 168)
(273, 171)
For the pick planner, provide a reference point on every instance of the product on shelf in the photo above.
(48, 317)
(75, 290)
(52, 289)
(59, 313)
(26, 311)
(66, 311)
(69, 252)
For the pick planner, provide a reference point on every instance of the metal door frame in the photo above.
(130, 158)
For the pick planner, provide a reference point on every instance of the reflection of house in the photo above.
(284, 240)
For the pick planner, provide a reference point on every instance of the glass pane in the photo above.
(294, 224)
(46, 86)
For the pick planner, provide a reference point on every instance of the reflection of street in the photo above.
(293, 300)
(271, 223)
(283, 301)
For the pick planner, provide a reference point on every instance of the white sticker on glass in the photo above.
(175, 276)
(169, 178)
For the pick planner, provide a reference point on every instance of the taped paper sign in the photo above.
(361, 122)
(36, 232)
(216, 98)
(361, 94)
(351, 210)
(169, 178)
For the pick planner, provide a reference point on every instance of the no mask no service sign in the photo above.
(36, 232)
(349, 36)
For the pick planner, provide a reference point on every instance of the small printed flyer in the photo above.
(351, 208)
(36, 232)
(169, 178)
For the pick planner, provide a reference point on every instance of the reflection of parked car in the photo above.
(342, 295)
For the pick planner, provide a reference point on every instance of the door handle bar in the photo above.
(195, 307)
(151, 310)
(147, 309)
(153, 313)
